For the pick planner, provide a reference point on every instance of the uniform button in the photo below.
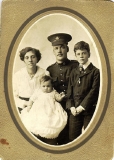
(61, 74)
(63, 85)
(64, 90)
(61, 80)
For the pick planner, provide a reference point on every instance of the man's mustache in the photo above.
(60, 54)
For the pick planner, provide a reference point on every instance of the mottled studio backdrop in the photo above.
(36, 36)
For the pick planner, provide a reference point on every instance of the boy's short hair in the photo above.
(82, 45)
(45, 78)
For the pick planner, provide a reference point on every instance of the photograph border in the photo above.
(56, 150)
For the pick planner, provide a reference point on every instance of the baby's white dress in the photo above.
(46, 117)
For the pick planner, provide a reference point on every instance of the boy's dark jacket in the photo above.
(83, 89)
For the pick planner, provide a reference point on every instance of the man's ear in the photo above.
(89, 54)
(53, 51)
(67, 49)
(75, 53)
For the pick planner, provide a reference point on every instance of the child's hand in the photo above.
(62, 94)
(73, 111)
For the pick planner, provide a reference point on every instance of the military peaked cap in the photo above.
(59, 38)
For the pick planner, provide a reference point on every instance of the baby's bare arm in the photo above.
(59, 97)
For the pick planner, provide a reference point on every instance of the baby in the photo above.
(44, 116)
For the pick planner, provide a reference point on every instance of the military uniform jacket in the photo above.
(60, 74)
(83, 88)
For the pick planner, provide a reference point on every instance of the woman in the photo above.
(26, 80)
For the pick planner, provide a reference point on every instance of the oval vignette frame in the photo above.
(105, 61)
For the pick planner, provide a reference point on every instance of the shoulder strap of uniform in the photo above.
(51, 65)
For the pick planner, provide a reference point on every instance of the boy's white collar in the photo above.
(86, 65)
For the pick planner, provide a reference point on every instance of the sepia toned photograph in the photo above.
(56, 80)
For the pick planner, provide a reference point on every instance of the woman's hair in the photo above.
(28, 49)
(82, 45)
(45, 79)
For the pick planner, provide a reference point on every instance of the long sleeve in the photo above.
(92, 96)
(83, 89)
(19, 102)
(35, 95)
(70, 101)
(24, 86)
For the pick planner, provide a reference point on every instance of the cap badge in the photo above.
(57, 38)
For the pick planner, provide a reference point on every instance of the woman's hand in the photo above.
(28, 108)
(25, 104)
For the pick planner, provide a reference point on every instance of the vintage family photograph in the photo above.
(56, 79)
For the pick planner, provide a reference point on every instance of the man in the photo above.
(60, 71)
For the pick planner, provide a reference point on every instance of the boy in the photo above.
(83, 91)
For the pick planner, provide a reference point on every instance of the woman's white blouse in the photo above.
(24, 85)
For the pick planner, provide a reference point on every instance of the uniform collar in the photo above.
(64, 63)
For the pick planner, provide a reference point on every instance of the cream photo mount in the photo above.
(105, 74)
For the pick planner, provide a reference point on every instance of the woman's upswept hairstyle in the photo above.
(28, 49)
